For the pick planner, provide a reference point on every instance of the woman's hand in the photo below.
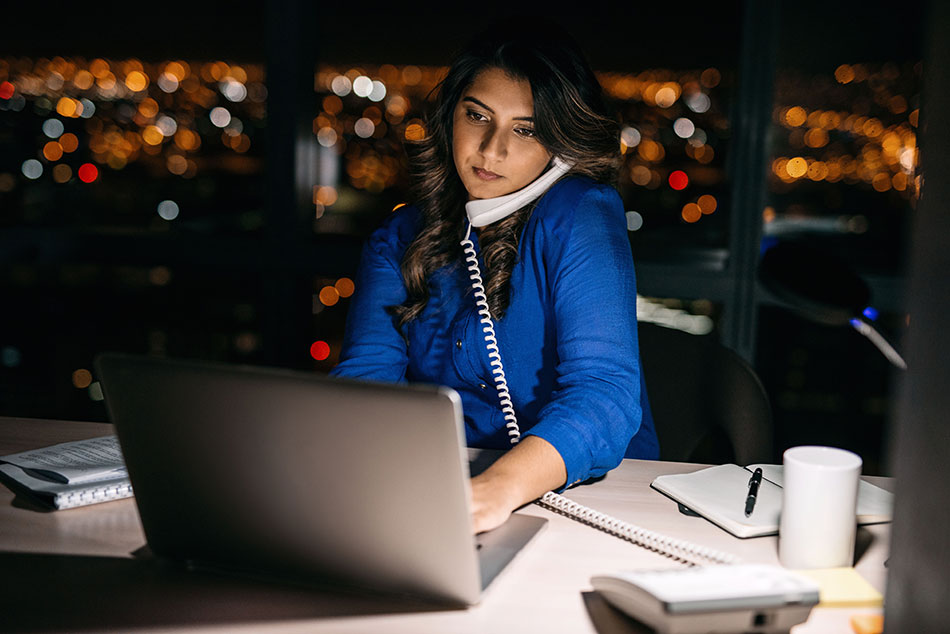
(532, 468)
(493, 500)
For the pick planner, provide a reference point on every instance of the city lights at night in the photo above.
(149, 175)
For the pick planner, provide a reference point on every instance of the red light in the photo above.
(88, 172)
(6, 90)
(679, 180)
(320, 350)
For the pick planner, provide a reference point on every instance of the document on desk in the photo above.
(69, 474)
(719, 494)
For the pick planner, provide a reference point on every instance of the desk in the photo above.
(72, 570)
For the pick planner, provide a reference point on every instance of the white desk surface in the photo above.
(73, 570)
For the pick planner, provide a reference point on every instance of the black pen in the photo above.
(754, 482)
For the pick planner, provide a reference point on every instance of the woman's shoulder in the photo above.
(574, 197)
(396, 231)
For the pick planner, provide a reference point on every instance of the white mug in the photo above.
(819, 507)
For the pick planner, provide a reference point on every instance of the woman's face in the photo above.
(493, 141)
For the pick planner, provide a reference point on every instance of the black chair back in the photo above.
(708, 404)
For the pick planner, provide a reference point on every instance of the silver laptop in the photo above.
(304, 477)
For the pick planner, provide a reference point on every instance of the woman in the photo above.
(558, 273)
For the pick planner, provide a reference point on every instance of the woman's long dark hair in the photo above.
(570, 120)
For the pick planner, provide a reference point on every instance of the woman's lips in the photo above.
(485, 175)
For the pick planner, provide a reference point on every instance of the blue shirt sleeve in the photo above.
(595, 408)
(373, 348)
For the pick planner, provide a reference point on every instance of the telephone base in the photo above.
(723, 599)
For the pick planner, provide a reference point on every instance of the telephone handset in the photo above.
(486, 211)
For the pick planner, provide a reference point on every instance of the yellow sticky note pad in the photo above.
(843, 587)
(867, 623)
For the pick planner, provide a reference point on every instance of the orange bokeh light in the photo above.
(67, 107)
(136, 81)
(69, 141)
(329, 296)
(345, 286)
(415, 132)
(691, 212)
(325, 195)
(53, 151)
(82, 378)
(707, 203)
(148, 108)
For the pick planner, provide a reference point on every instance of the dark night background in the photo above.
(238, 277)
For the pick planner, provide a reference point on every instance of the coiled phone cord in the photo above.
(692, 554)
(488, 328)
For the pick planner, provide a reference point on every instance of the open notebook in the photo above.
(718, 494)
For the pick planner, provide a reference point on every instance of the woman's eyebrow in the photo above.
(486, 107)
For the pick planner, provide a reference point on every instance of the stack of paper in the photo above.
(69, 474)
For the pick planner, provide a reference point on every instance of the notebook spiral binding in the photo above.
(89, 496)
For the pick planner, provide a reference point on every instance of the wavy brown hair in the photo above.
(570, 120)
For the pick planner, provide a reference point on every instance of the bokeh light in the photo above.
(220, 116)
(634, 221)
(327, 137)
(62, 173)
(796, 167)
(320, 350)
(630, 137)
(10, 356)
(415, 132)
(378, 91)
(136, 81)
(691, 212)
(341, 85)
(684, 128)
(698, 102)
(68, 107)
(32, 169)
(362, 86)
(345, 286)
(82, 378)
(168, 210)
(329, 296)
(364, 128)
(707, 204)
(69, 142)
(53, 128)
(325, 195)
(53, 151)
(678, 180)
(88, 172)
(795, 116)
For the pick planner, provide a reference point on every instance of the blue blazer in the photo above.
(568, 340)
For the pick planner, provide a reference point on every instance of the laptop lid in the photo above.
(301, 475)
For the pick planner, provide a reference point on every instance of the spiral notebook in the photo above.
(69, 474)
(718, 494)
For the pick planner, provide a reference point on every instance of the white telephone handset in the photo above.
(485, 211)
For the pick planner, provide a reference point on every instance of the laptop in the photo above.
(304, 477)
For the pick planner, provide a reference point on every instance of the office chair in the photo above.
(708, 404)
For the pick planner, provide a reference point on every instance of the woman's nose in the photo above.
(493, 144)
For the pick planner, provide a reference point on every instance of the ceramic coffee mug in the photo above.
(819, 507)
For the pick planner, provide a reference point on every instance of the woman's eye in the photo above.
(525, 132)
(476, 116)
